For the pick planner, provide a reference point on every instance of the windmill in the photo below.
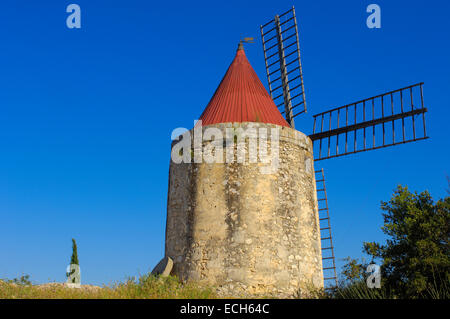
(388, 119)
(262, 228)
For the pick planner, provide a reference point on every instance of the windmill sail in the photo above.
(283, 66)
(388, 119)
(328, 261)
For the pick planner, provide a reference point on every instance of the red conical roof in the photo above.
(241, 97)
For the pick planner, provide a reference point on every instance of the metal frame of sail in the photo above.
(282, 45)
(364, 117)
(329, 270)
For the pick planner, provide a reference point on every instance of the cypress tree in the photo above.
(74, 258)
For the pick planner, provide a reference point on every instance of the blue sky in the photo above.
(86, 117)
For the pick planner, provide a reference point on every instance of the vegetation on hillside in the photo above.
(415, 260)
(146, 287)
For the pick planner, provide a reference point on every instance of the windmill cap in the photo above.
(241, 97)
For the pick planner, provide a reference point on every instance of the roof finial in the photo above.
(244, 40)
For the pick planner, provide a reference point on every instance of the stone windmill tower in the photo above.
(248, 223)
(233, 225)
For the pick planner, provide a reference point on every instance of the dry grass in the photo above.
(146, 287)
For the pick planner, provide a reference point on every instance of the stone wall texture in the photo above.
(244, 231)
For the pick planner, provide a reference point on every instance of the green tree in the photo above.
(353, 271)
(73, 261)
(415, 259)
(74, 258)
